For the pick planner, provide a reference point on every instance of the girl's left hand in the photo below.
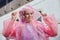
(43, 14)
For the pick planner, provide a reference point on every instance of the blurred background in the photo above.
(47, 6)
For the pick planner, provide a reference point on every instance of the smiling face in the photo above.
(27, 15)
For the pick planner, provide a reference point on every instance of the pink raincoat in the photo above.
(35, 30)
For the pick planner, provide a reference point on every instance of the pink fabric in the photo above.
(33, 31)
(7, 27)
(52, 25)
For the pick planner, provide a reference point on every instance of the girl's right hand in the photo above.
(13, 16)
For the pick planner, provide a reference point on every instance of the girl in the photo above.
(29, 29)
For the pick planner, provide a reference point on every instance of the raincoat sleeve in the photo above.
(7, 27)
(52, 24)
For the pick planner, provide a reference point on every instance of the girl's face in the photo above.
(28, 15)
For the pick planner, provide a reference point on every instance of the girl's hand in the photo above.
(13, 16)
(43, 14)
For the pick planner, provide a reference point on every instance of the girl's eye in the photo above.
(31, 13)
(27, 14)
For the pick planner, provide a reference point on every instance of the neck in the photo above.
(26, 21)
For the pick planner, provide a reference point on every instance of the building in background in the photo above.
(9, 5)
